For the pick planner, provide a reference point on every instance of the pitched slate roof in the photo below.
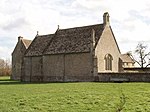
(126, 58)
(38, 45)
(26, 42)
(74, 40)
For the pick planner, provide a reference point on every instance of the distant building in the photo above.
(74, 54)
(127, 61)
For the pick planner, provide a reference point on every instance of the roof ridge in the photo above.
(50, 41)
(30, 45)
(45, 35)
(81, 26)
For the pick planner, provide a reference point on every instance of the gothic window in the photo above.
(108, 62)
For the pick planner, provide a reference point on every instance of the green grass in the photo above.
(74, 97)
(4, 78)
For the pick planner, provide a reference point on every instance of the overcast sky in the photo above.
(129, 19)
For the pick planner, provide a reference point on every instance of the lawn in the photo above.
(74, 97)
(4, 78)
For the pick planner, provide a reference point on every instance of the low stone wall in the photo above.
(131, 77)
(137, 70)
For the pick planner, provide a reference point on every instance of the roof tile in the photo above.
(74, 40)
(126, 58)
(38, 45)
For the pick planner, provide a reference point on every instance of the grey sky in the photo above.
(130, 19)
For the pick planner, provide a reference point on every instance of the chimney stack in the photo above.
(106, 19)
(20, 38)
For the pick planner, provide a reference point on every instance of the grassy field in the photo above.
(4, 78)
(74, 97)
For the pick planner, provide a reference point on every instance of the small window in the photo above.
(127, 64)
(108, 62)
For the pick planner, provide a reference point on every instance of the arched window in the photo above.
(108, 62)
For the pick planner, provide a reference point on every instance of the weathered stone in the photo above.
(17, 57)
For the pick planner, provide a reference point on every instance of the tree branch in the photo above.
(146, 55)
(135, 60)
(147, 65)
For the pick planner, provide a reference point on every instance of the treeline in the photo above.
(5, 67)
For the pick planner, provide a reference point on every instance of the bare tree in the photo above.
(5, 67)
(140, 55)
(2, 63)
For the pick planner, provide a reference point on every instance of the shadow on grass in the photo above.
(12, 82)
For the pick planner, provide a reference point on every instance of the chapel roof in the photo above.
(71, 40)
(74, 40)
(126, 58)
(38, 45)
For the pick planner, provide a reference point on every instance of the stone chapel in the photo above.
(73, 54)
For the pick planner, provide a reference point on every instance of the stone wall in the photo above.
(17, 57)
(78, 67)
(26, 69)
(107, 45)
(132, 77)
(137, 70)
(32, 69)
(67, 67)
(53, 68)
(36, 73)
(58, 68)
